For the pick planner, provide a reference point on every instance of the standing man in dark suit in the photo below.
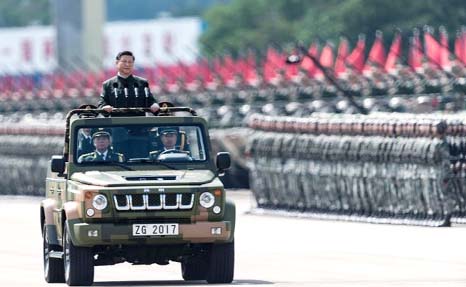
(126, 90)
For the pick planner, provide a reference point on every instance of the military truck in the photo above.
(141, 201)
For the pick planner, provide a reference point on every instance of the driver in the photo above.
(102, 142)
(169, 138)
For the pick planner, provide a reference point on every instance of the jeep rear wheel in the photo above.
(194, 268)
(78, 262)
(222, 263)
(53, 267)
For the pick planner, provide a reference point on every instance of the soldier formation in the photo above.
(408, 168)
(391, 166)
(230, 104)
(25, 150)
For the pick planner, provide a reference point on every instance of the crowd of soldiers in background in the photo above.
(230, 105)
(227, 91)
(27, 142)
(408, 169)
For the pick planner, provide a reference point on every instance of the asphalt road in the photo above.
(270, 251)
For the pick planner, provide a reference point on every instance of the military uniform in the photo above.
(85, 145)
(181, 144)
(135, 97)
(98, 157)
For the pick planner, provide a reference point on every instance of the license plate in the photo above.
(156, 229)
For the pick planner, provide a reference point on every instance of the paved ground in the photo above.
(270, 250)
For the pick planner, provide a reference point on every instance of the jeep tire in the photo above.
(195, 268)
(53, 267)
(78, 262)
(221, 263)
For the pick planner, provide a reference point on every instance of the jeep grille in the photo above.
(171, 201)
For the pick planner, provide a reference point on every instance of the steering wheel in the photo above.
(173, 150)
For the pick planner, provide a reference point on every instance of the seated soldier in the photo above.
(169, 137)
(103, 152)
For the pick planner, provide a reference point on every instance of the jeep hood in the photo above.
(132, 178)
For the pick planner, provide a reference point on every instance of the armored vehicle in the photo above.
(140, 189)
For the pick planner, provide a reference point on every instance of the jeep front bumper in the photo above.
(91, 234)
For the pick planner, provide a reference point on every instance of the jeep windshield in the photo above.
(146, 144)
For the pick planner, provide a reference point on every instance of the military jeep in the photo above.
(141, 201)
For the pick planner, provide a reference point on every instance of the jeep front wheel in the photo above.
(53, 267)
(222, 263)
(194, 268)
(78, 262)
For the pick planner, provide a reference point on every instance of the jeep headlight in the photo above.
(100, 202)
(207, 199)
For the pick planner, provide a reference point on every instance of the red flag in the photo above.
(415, 52)
(459, 47)
(393, 54)
(250, 74)
(463, 41)
(246, 66)
(58, 81)
(205, 71)
(377, 53)
(216, 67)
(168, 73)
(149, 74)
(272, 64)
(228, 69)
(433, 49)
(356, 59)
(343, 50)
(326, 58)
(202, 71)
(193, 71)
(307, 64)
(444, 51)
(291, 71)
(91, 80)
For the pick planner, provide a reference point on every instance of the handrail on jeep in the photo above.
(93, 112)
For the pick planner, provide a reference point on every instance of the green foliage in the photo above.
(257, 24)
(143, 9)
(24, 12)
(245, 24)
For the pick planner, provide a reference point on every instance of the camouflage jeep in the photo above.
(138, 189)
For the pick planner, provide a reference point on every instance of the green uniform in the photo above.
(97, 157)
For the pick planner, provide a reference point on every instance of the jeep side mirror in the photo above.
(223, 161)
(58, 164)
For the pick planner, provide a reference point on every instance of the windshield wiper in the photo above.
(148, 160)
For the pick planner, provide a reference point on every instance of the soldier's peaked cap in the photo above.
(100, 134)
(167, 130)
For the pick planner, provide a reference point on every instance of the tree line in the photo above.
(243, 24)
